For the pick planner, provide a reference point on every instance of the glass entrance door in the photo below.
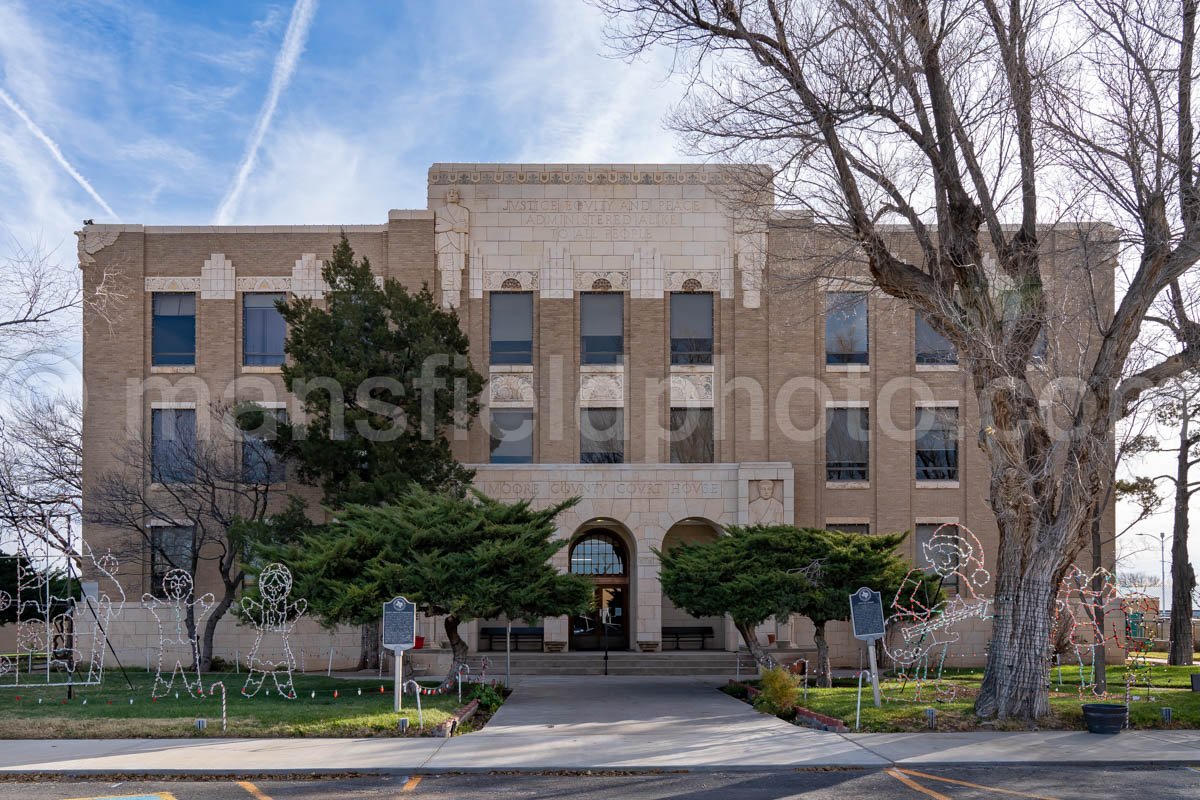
(605, 625)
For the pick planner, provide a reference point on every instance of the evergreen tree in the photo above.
(382, 374)
(461, 557)
(758, 572)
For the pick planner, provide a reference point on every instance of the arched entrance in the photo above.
(693, 530)
(601, 555)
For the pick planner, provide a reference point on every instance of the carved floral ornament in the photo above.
(510, 280)
(694, 280)
(605, 389)
(511, 390)
(692, 389)
(92, 241)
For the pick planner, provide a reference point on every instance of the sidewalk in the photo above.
(578, 724)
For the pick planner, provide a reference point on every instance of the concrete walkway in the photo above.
(571, 723)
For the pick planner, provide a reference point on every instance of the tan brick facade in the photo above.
(557, 231)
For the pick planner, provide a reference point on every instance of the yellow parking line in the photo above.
(253, 790)
(910, 783)
(411, 783)
(970, 785)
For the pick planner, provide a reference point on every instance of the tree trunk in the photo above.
(368, 656)
(1015, 683)
(824, 673)
(1183, 577)
(210, 626)
(750, 637)
(458, 648)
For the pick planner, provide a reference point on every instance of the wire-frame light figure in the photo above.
(176, 644)
(273, 618)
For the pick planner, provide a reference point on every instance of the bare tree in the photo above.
(1177, 408)
(938, 139)
(1136, 581)
(207, 486)
(41, 459)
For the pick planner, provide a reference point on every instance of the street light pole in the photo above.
(1162, 566)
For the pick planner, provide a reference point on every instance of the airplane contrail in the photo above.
(53, 147)
(285, 65)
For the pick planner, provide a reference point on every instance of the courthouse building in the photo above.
(658, 340)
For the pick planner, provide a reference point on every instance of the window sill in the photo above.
(847, 367)
(937, 484)
(937, 367)
(702, 369)
(847, 484)
(174, 369)
(510, 368)
(261, 369)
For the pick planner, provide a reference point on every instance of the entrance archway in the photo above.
(600, 555)
(693, 530)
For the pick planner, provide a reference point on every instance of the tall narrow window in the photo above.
(846, 328)
(938, 550)
(170, 548)
(512, 436)
(937, 444)
(602, 436)
(263, 329)
(601, 325)
(850, 527)
(512, 327)
(260, 463)
(173, 333)
(691, 328)
(932, 347)
(692, 436)
(172, 445)
(847, 444)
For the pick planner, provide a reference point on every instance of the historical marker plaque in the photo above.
(399, 624)
(866, 614)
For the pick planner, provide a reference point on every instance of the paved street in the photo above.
(973, 783)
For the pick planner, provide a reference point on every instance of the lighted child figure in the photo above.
(928, 630)
(1077, 610)
(170, 612)
(274, 619)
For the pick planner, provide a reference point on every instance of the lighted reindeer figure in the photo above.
(928, 630)
(274, 618)
(170, 612)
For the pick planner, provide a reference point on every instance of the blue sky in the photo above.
(154, 104)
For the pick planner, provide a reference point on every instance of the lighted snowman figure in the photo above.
(274, 618)
(174, 642)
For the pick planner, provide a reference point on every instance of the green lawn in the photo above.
(109, 714)
(903, 711)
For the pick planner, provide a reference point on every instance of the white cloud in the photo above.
(285, 66)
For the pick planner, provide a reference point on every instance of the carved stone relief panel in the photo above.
(604, 389)
(172, 284)
(511, 390)
(602, 280)
(92, 242)
(692, 389)
(510, 280)
(751, 262)
(693, 281)
(452, 224)
(766, 502)
(274, 283)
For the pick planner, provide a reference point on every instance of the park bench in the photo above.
(492, 634)
(687, 633)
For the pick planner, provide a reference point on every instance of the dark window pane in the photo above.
(602, 436)
(173, 333)
(851, 527)
(691, 328)
(932, 347)
(601, 322)
(172, 445)
(512, 327)
(598, 553)
(845, 327)
(512, 436)
(847, 444)
(691, 436)
(939, 551)
(260, 463)
(170, 548)
(263, 329)
(937, 444)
